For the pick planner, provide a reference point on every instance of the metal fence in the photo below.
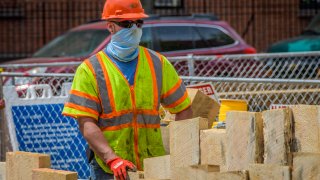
(262, 80)
(247, 75)
(260, 93)
(35, 124)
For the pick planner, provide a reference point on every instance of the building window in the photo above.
(168, 3)
(309, 7)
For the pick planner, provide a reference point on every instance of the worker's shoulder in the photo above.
(88, 63)
(150, 50)
(157, 54)
(91, 59)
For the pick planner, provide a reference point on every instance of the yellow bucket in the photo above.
(231, 105)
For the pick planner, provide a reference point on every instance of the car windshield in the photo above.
(73, 44)
(314, 26)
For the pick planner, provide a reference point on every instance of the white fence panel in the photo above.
(36, 124)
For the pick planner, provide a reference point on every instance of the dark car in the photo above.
(308, 40)
(172, 36)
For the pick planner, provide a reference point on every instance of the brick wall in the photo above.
(27, 25)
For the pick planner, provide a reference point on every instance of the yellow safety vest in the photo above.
(128, 115)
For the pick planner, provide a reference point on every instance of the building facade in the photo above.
(28, 25)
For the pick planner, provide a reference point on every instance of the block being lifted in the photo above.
(203, 106)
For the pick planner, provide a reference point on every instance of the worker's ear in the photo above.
(111, 27)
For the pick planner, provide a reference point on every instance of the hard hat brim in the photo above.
(128, 16)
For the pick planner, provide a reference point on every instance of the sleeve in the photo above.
(174, 96)
(84, 98)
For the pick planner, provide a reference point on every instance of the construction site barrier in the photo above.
(35, 124)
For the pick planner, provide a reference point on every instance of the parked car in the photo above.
(171, 35)
(308, 40)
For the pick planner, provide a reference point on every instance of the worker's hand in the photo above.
(119, 167)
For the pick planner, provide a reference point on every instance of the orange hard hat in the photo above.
(123, 10)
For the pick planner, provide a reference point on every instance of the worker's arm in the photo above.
(185, 114)
(100, 146)
(92, 133)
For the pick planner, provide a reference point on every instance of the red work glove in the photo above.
(119, 167)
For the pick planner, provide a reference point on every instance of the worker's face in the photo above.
(115, 26)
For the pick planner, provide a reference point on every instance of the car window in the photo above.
(172, 38)
(73, 44)
(212, 37)
(146, 39)
(314, 26)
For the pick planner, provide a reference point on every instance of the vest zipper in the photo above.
(135, 128)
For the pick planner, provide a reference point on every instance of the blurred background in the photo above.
(26, 25)
(253, 51)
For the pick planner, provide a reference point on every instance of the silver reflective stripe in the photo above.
(127, 118)
(103, 90)
(158, 71)
(88, 103)
(115, 121)
(148, 119)
(175, 96)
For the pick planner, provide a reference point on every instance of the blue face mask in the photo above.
(124, 44)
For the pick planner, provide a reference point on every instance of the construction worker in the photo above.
(116, 94)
